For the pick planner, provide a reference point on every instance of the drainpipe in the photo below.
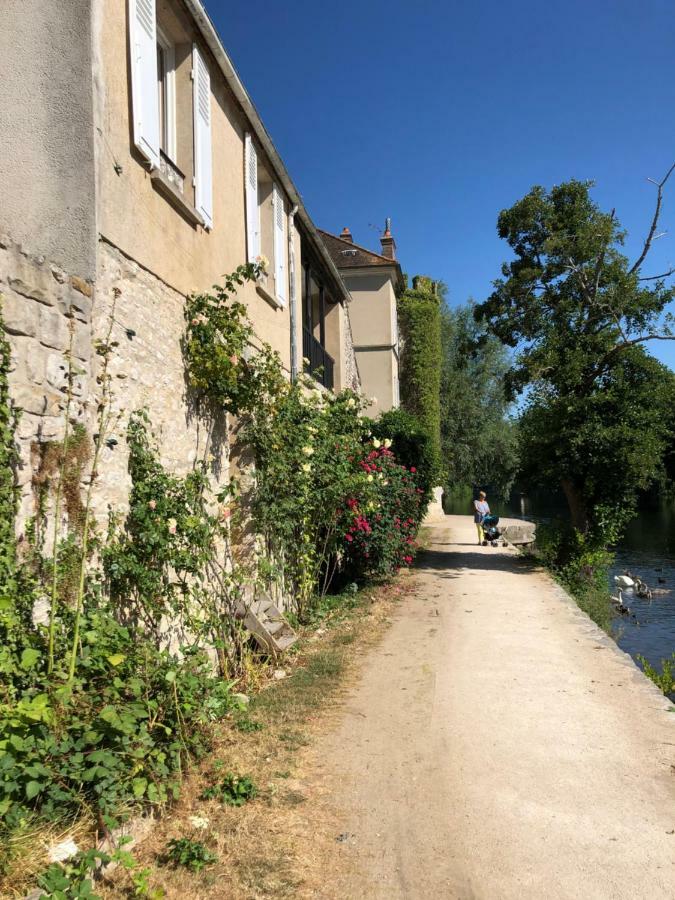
(292, 303)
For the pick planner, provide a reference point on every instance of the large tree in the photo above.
(579, 313)
(478, 437)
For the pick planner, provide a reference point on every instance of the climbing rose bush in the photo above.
(381, 520)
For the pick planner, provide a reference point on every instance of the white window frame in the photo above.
(170, 96)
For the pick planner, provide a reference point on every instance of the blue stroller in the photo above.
(490, 530)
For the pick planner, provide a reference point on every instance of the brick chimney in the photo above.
(346, 235)
(387, 241)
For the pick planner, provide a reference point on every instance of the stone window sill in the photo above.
(271, 299)
(168, 190)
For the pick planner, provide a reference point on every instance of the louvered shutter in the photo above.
(202, 137)
(252, 208)
(145, 99)
(279, 246)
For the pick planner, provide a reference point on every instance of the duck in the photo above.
(624, 581)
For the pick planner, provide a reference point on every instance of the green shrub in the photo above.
(119, 735)
(411, 444)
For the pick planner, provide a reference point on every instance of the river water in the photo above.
(647, 550)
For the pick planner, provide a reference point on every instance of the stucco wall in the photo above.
(140, 221)
(373, 299)
(376, 368)
(47, 133)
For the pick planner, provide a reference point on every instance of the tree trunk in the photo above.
(577, 506)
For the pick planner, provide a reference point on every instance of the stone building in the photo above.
(133, 162)
(374, 281)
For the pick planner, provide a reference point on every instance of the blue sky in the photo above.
(440, 114)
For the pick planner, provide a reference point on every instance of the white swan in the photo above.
(624, 581)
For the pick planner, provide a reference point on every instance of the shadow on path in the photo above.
(449, 564)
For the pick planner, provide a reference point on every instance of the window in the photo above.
(168, 73)
(166, 95)
(265, 224)
(318, 362)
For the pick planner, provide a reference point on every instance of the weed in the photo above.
(248, 725)
(665, 679)
(233, 790)
(294, 739)
(192, 855)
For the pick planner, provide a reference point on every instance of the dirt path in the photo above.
(498, 745)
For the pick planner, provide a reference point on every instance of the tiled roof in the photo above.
(347, 255)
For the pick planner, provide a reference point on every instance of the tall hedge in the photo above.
(419, 316)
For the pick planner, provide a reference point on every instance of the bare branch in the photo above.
(578, 271)
(657, 277)
(655, 221)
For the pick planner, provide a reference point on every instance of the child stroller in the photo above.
(490, 530)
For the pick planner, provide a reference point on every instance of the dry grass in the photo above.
(271, 847)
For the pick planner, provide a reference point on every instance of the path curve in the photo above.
(498, 745)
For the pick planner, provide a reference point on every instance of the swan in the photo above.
(643, 590)
(618, 600)
(623, 581)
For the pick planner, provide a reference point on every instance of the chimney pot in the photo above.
(346, 235)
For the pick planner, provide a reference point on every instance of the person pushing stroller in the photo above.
(481, 509)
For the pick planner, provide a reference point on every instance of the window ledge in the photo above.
(162, 184)
(271, 298)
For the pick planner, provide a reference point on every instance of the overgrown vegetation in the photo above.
(331, 501)
(110, 687)
(663, 679)
(419, 317)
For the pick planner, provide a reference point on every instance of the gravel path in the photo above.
(498, 745)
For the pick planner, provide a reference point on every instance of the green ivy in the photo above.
(8, 461)
(419, 316)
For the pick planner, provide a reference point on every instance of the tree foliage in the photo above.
(478, 437)
(579, 313)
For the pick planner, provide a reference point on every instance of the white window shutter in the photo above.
(252, 207)
(279, 210)
(145, 99)
(201, 86)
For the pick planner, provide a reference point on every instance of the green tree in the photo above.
(478, 437)
(578, 313)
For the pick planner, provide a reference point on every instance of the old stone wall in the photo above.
(147, 367)
(149, 373)
(37, 297)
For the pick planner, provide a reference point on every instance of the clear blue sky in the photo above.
(440, 114)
